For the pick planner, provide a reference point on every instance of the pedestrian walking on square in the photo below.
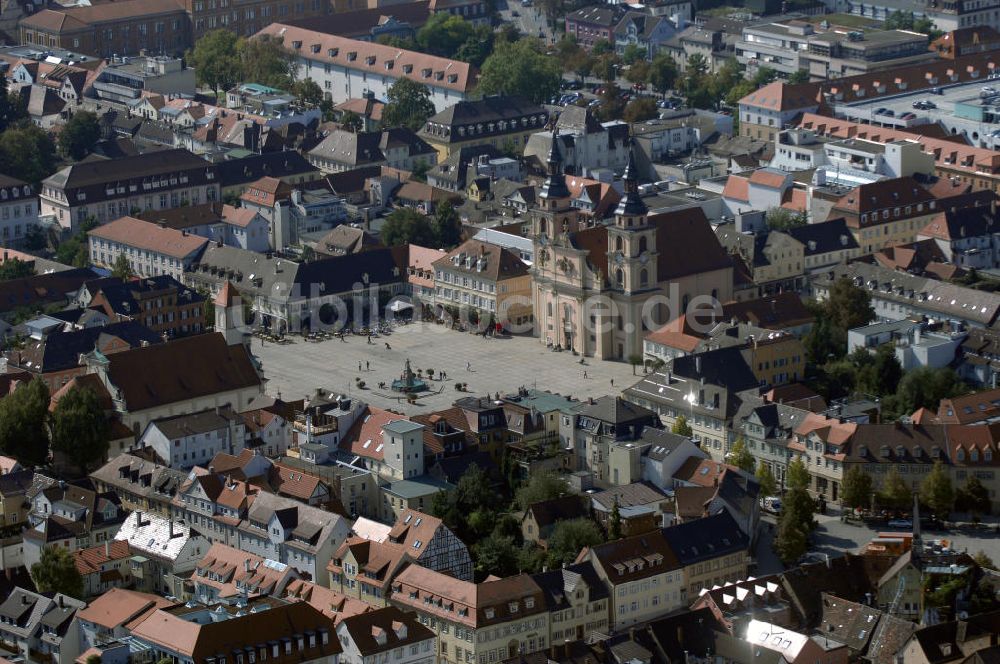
(468, 366)
(585, 375)
(359, 366)
(368, 365)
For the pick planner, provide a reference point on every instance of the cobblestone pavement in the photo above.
(488, 365)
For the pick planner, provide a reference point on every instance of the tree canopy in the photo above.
(520, 68)
(740, 455)
(856, 491)
(23, 415)
(681, 427)
(15, 268)
(27, 151)
(408, 104)
(221, 59)
(56, 572)
(569, 537)
(80, 428)
(539, 487)
(79, 135)
(936, 491)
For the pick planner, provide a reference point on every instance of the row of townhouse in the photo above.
(610, 588)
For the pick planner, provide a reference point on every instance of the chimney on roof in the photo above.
(107, 549)
(170, 529)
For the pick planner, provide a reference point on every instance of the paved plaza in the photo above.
(494, 365)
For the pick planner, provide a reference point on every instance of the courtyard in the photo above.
(487, 365)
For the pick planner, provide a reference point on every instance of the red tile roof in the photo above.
(375, 59)
(364, 438)
(90, 560)
(141, 234)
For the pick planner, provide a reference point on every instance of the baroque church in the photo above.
(598, 288)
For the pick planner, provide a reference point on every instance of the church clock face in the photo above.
(644, 259)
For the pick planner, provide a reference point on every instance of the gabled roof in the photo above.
(385, 629)
(375, 59)
(144, 235)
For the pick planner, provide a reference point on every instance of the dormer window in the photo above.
(352, 56)
(370, 60)
(988, 455)
(960, 454)
(407, 69)
(425, 72)
(974, 455)
(489, 614)
(333, 52)
(315, 48)
(296, 44)
(513, 607)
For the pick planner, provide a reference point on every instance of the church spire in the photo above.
(555, 183)
(631, 203)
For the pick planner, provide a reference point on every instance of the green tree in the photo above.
(681, 427)
(894, 493)
(80, 428)
(351, 121)
(15, 268)
(407, 226)
(794, 525)
(28, 152)
(307, 92)
(797, 475)
(780, 219)
(984, 561)
(615, 523)
(123, 268)
(446, 225)
(520, 68)
(640, 110)
(848, 306)
(798, 76)
(540, 487)
(408, 104)
(612, 105)
(663, 73)
(79, 135)
(444, 34)
(12, 110)
(474, 490)
(265, 60)
(633, 53)
(93, 659)
(740, 456)
(56, 572)
(635, 359)
(479, 45)
(34, 237)
(886, 371)
(856, 490)
(899, 20)
(420, 170)
(638, 72)
(765, 478)
(601, 47)
(973, 497)
(936, 491)
(73, 251)
(497, 555)
(215, 60)
(569, 537)
(23, 415)
(924, 387)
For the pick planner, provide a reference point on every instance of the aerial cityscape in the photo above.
(500, 332)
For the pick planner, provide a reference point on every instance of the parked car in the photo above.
(881, 110)
(900, 523)
(937, 91)
(907, 116)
